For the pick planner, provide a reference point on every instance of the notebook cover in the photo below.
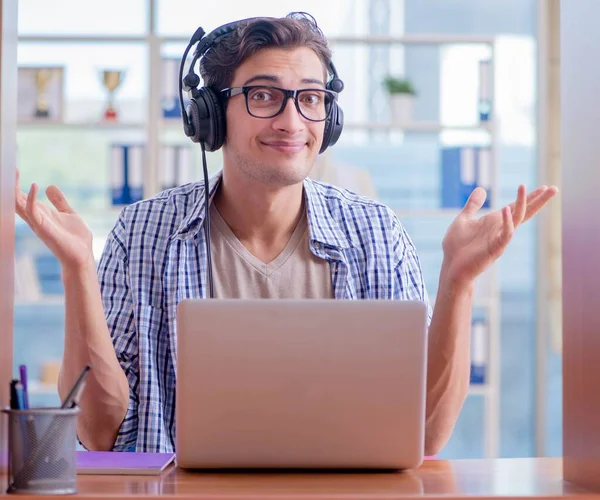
(132, 463)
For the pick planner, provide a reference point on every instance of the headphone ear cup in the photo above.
(333, 127)
(193, 118)
(217, 116)
(206, 117)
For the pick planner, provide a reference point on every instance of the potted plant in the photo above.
(402, 94)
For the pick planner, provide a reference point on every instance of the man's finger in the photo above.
(21, 201)
(475, 201)
(33, 214)
(20, 196)
(502, 237)
(520, 208)
(505, 234)
(21, 209)
(58, 199)
(536, 205)
(508, 228)
(531, 196)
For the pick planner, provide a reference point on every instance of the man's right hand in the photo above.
(64, 232)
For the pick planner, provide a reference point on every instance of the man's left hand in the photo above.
(471, 244)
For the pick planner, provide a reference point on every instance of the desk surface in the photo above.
(514, 478)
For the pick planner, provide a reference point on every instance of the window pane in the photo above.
(84, 94)
(514, 83)
(69, 17)
(182, 17)
(77, 160)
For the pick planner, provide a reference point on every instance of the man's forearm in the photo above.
(87, 340)
(448, 363)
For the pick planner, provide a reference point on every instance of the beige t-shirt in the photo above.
(296, 273)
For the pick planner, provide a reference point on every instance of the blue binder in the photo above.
(171, 107)
(49, 274)
(463, 168)
(484, 104)
(479, 351)
(127, 165)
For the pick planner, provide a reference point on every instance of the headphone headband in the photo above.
(209, 40)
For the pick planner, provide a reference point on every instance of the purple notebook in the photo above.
(113, 462)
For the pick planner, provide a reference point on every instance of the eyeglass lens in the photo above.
(265, 102)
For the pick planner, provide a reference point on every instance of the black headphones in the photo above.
(204, 116)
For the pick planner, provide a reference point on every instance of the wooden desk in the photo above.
(502, 478)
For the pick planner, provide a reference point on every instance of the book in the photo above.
(122, 463)
(479, 351)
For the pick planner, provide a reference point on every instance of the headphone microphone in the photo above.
(204, 116)
(191, 81)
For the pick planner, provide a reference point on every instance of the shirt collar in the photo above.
(192, 222)
(322, 226)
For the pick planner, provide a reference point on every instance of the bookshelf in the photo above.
(424, 126)
(154, 130)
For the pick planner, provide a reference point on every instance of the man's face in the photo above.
(277, 151)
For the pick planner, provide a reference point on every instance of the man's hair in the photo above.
(297, 29)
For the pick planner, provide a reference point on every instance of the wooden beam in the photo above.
(8, 122)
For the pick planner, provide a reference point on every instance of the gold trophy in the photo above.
(111, 79)
(42, 78)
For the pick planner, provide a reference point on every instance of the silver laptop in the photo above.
(316, 384)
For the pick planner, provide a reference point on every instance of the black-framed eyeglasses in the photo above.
(264, 101)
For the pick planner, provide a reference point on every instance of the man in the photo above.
(275, 234)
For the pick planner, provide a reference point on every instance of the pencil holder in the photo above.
(42, 444)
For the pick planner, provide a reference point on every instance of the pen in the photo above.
(30, 424)
(23, 374)
(72, 398)
(16, 395)
(20, 396)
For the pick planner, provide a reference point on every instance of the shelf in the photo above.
(172, 123)
(36, 388)
(86, 125)
(478, 302)
(416, 39)
(480, 390)
(167, 123)
(417, 127)
(44, 300)
(112, 210)
(83, 38)
(484, 302)
(434, 213)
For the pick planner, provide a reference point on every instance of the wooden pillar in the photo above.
(549, 270)
(580, 131)
(8, 114)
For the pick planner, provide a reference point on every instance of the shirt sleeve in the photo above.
(115, 289)
(409, 274)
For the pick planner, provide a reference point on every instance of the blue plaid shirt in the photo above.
(155, 256)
